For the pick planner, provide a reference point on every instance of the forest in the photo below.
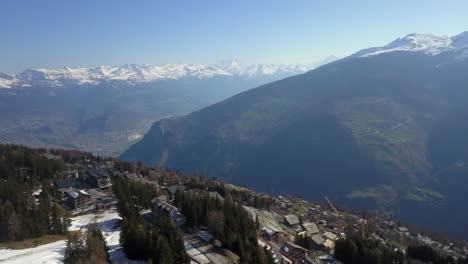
(158, 242)
(22, 214)
(227, 221)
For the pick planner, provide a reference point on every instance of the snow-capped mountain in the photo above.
(133, 73)
(426, 43)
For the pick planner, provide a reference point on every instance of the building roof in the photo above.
(216, 195)
(290, 246)
(269, 231)
(204, 235)
(330, 235)
(291, 219)
(173, 189)
(162, 205)
(311, 228)
(329, 244)
(318, 239)
(71, 183)
(77, 193)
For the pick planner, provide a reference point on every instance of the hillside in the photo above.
(79, 208)
(382, 129)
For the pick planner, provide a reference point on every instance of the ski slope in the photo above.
(52, 253)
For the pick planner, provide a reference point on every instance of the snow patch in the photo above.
(52, 253)
(428, 44)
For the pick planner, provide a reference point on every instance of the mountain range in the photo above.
(382, 129)
(106, 109)
(136, 74)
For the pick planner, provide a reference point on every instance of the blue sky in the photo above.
(58, 33)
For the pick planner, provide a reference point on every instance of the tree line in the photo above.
(93, 251)
(157, 242)
(22, 215)
(227, 221)
(238, 195)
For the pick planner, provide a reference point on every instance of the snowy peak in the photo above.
(134, 73)
(428, 44)
(460, 41)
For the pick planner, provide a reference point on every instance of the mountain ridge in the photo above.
(369, 123)
(143, 73)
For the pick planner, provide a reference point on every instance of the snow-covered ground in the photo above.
(54, 252)
(48, 253)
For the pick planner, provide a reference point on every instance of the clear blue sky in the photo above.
(57, 33)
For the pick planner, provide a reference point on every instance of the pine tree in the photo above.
(75, 250)
(14, 227)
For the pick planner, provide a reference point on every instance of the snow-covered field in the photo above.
(53, 252)
(48, 253)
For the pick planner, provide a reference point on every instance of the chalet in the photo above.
(71, 174)
(164, 209)
(310, 228)
(294, 252)
(330, 235)
(270, 234)
(79, 200)
(291, 220)
(318, 242)
(98, 178)
(300, 231)
(329, 244)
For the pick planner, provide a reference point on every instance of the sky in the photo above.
(89, 33)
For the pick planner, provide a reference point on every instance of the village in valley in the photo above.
(290, 229)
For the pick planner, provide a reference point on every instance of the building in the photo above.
(271, 234)
(71, 174)
(300, 231)
(310, 228)
(330, 235)
(294, 252)
(79, 200)
(318, 242)
(98, 178)
(291, 220)
(330, 245)
(164, 209)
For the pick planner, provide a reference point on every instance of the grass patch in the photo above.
(33, 242)
(299, 207)
(396, 244)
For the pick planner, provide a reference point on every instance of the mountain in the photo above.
(382, 129)
(106, 109)
(136, 74)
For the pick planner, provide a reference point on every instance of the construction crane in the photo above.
(366, 221)
(340, 221)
